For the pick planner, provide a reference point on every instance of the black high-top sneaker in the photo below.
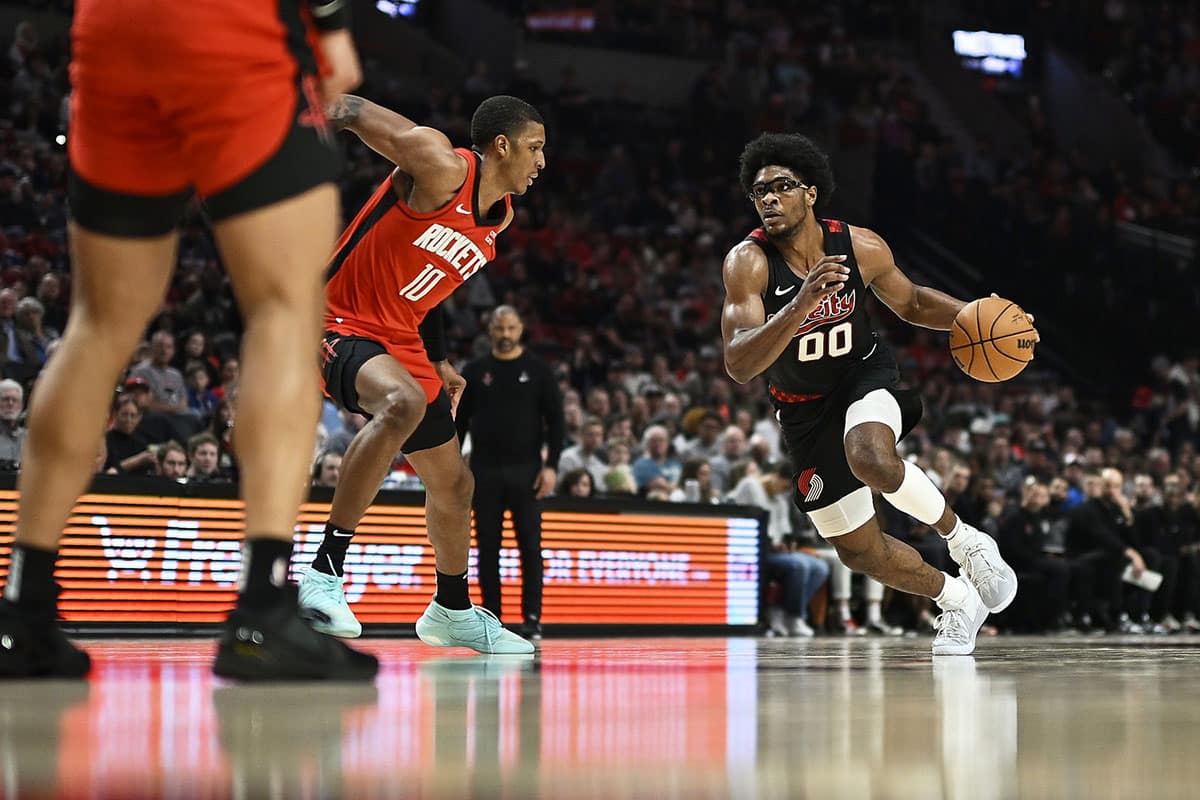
(276, 644)
(33, 646)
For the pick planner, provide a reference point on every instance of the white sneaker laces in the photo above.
(333, 591)
(976, 563)
(491, 624)
(952, 624)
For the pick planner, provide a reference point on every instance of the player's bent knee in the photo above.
(876, 466)
(402, 409)
(457, 490)
(464, 487)
(105, 326)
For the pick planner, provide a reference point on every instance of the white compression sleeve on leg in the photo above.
(917, 496)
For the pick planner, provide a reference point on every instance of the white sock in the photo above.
(954, 594)
(844, 609)
(873, 612)
(917, 496)
(957, 529)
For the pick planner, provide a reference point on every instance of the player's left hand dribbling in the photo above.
(1036, 336)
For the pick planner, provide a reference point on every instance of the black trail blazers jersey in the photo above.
(835, 338)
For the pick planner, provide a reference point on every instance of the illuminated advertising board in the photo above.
(139, 558)
(991, 53)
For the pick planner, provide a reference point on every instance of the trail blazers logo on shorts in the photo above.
(810, 484)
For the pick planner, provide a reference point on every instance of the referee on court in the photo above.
(512, 407)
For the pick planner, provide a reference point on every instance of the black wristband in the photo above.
(330, 15)
(433, 334)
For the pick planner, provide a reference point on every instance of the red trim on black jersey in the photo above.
(788, 397)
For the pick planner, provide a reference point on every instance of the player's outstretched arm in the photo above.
(919, 305)
(417, 150)
(373, 123)
(753, 342)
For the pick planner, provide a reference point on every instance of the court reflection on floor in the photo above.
(863, 722)
(620, 718)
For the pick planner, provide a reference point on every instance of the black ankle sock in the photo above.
(452, 591)
(31, 577)
(331, 556)
(264, 572)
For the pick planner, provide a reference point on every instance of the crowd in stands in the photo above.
(1147, 50)
(614, 263)
(1151, 54)
(701, 28)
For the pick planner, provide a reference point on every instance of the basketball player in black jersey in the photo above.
(795, 294)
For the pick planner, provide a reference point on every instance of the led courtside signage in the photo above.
(137, 558)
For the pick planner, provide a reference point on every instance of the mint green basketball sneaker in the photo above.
(323, 605)
(475, 627)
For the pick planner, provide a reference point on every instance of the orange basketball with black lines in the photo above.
(991, 339)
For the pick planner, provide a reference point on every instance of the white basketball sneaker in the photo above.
(957, 627)
(979, 557)
(323, 605)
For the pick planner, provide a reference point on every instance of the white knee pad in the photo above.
(876, 406)
(844, 516)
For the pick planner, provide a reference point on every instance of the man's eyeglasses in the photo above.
(778, 186)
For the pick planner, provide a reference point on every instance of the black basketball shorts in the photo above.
(343, 356)
(823, 485)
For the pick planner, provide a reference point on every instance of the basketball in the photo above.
(991, 339)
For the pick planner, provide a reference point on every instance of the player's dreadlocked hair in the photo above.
(501, 115)
(791, 150)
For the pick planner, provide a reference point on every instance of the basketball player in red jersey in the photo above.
(430, 226)
(220, 97)
(795, 311)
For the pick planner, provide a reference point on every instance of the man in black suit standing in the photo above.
(513, 410)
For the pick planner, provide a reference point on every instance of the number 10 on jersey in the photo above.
(837, 341)
(423, 284)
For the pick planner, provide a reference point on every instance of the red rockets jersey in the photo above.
(393, 264)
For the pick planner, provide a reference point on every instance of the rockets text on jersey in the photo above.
(393, 264)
